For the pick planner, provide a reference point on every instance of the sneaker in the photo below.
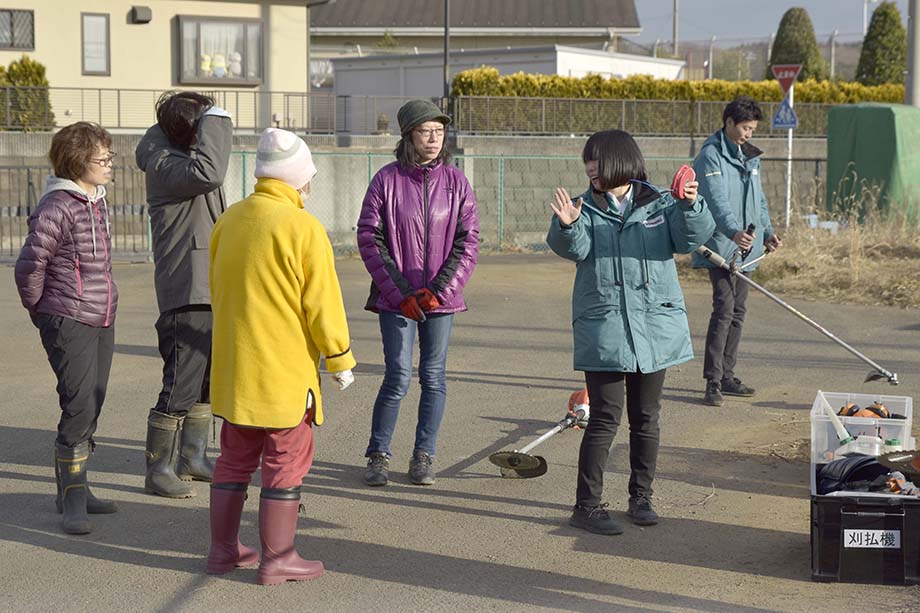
(594, 519)
(734, 387)
(377, 472)
(641, 511)
(713, 395)
(420, 470)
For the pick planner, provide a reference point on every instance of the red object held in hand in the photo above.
(684, 174)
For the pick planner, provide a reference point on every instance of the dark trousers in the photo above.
(81, 358)
(607, 392)
(729, 304)
(185, 346)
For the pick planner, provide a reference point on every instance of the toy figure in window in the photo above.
(205, 65)
(219, 65)
(236, 65)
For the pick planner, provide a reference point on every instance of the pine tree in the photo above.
(884, 52)
(795, 44)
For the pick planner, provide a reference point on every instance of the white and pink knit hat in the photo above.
(284, 156)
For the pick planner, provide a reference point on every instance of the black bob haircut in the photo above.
(618, 158)
(178, 114)
(742, 108)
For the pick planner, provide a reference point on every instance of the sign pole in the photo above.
(789, 159)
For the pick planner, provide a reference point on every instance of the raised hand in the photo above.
(562, 206)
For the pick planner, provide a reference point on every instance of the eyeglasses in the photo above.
(429, 132)
(106, 161)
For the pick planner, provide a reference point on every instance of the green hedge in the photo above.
(486, 81)
(549, 104)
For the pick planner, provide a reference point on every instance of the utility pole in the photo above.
(446, 54)
(712, 43)
(676, 22)
(912, 83)
(833, 53)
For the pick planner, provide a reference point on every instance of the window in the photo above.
(219, 50)
(17, 29)
(95, 30)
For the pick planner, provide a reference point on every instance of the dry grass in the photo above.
(873, 260)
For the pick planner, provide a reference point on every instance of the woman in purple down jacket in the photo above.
(419, 239)
(64, 278)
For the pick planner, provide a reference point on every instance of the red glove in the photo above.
(427, 300)
(410, 308)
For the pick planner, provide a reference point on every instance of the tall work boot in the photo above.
(277, 528)
(194, 464)
(93, 504)
(162, 453)
(70, 463)
(227, 552)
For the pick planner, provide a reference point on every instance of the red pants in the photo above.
(286, 455)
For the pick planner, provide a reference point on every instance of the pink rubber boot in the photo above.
(227, 552)
(277, 528)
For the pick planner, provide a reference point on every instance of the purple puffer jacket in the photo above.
(419, 227)
(65, 266)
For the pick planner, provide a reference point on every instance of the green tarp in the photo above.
(873, 158)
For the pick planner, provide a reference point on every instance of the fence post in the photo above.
(118, 105)
(623, 115)
(501, 202)
(370, 176)
(243, 196)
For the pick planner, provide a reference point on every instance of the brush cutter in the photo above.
(519, 464)
(877, 374)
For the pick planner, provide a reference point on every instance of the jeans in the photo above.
(185, 345)
(729, 305)
(398, 334)
(607, 391)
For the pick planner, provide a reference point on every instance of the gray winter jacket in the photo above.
(185, 198)
(65, 266)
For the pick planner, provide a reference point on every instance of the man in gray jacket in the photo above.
(185, 157)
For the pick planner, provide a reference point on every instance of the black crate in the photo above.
(853, 538)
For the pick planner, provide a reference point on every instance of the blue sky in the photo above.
(741, 19)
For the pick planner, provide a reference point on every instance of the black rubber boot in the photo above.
(94, 506)
(162, 453)
(194, 464)
(70, 463)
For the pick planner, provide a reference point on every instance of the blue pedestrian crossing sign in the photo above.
(785, 118)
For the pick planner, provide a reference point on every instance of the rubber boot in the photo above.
(71, 466)
(277, 528)
(162, 453)
(194, 464)
(94, 506)
(227, 552)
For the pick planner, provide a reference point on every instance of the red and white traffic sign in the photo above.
(786, 74)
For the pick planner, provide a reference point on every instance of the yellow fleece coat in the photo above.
(277, 307)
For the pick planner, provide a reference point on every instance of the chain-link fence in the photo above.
(513, 194)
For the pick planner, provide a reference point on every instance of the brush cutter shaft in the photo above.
(533, 444)
(718, 260)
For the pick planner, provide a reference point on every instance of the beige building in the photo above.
(108, 60)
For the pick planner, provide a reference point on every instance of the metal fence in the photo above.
(513, 194)
(38, 108)
(581, 116)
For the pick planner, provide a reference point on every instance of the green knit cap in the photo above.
(416, 112)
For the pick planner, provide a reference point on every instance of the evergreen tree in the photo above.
(25, 103)
(884, 52)
(795, 44)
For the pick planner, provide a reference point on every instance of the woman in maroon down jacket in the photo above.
(64, 278)
(419, 238)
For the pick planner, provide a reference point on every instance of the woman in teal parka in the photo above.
(628, 313)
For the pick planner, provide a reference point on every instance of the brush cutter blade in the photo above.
(515, 460)
(907, 462)
(525, 473)
(875, 375)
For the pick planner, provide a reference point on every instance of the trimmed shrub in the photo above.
(24, 100)
(884, 52)
(795, 44)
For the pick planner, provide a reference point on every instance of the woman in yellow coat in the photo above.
(277, 309)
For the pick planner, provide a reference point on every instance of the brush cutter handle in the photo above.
(557, 429)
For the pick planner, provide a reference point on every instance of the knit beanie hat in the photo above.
(416, 112)
(284, 156)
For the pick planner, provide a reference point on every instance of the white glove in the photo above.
(343, 378)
